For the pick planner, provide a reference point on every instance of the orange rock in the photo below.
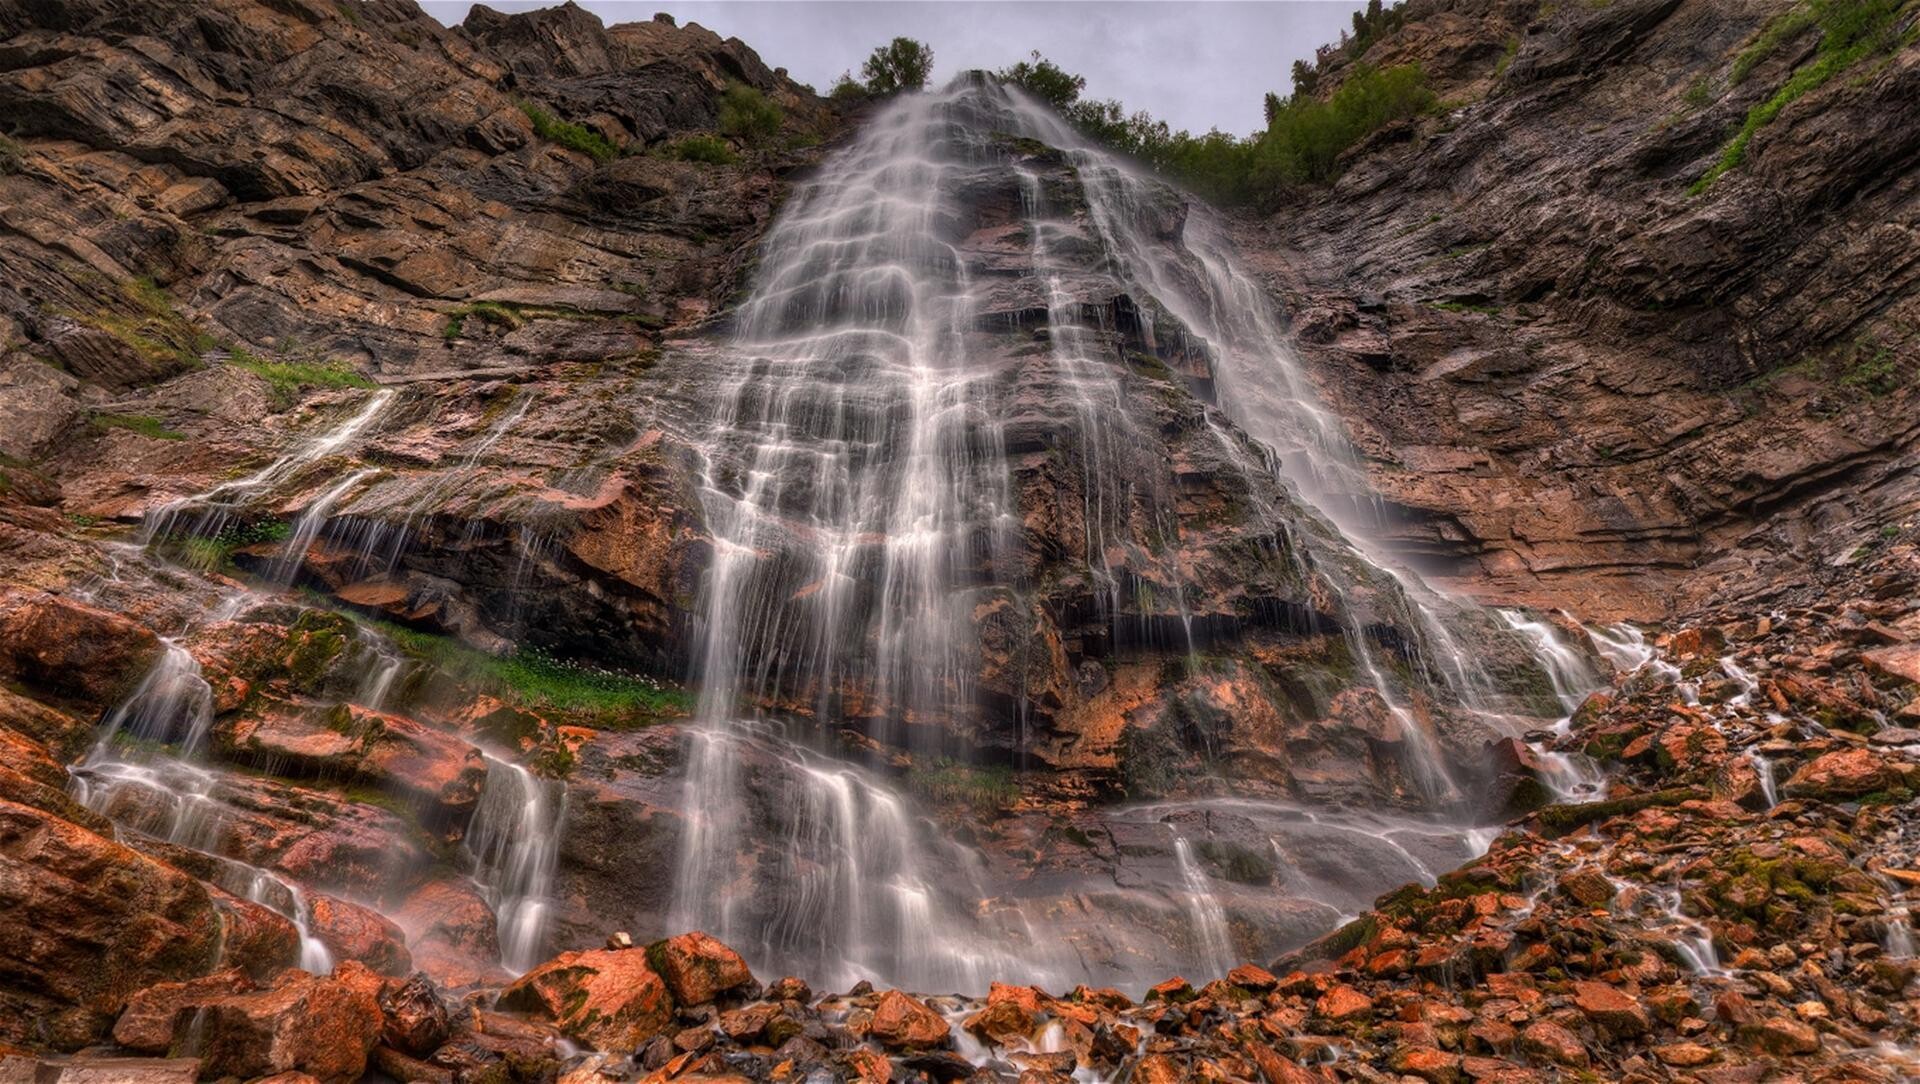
(610, 1000)
(1160, 1069)
(902, 1022)
(1837, 776)
(867, 1066)
(1252, 977)
(1342, 1004)
(1012, 1012)
(697, 968)
(1427, 1063)
(1612, 1011)
(352, 932)
(303, 1023)
(1546, 1039)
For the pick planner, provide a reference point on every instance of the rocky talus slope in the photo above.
(350, 373)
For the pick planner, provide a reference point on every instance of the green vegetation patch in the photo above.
(12, 156)
(143, 424)
(1850, 31)
(149, 324)
(213, 552)
(569, 135)
(288, 378)
(709, 149)
(943, 781)
(535, 679)
(747, 115)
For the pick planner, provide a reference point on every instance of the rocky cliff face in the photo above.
(1581, 381)
(358, 494)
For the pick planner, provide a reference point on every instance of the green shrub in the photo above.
(901, 64)
(10, 156)
(569, 135)
(747, 115)
(289, 378)
(847, 89)
(702, 148)
(142, 424)
(1045, 80)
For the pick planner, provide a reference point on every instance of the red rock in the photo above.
(762, 1024)
(1546, 1039)
(1160, 1069)
(416, 1019)
(1011, 1012)
(147, 1024)
(790, 989)
(1612, 1011)
(1588, 886)
(1427, 1063)
(1683, 1055)
(697, 968)
(610, 1000)
(1781, 1036)
(303, 1023)
(902, 1022)
(353, 932)
(1840, 775)
(452, 933)
(1174, 989)
(867, 1066)
(92, 921)
(1253, 977)
(1343, 1004)
(73, 650)
(1901, 661)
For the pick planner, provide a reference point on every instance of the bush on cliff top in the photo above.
(901, 64)
(1302, 143)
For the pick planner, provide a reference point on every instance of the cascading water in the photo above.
(515, 842)
(856, 481)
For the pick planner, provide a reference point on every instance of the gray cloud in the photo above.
(1195, 65)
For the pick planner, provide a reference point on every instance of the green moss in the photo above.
(1850, 31)
(289, 378)
(567, 134)
(12, 156)
(533, 679)
(1465, 306)
(943, 781)
(147, 323)
(145, 425)
(1558, 820)
(1345, 939)
(1239, 864)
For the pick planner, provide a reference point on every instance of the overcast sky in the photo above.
(1195, 65)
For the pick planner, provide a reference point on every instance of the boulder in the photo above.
(302, 1023)
(1011, 1013)
(610, 1000)
(1613, 1012)
(94, 921)
(903, 1022)
(1840, 775)
(353, 932)
(697, 968)
(73, 650)
(415, 1018)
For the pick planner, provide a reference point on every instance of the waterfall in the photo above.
(1208, 917)
(514, 839)
(857, 437)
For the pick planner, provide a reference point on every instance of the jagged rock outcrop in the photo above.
(1583, 382)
